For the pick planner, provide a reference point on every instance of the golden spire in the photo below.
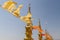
(27, 18)
(29, 8)
(29, 12)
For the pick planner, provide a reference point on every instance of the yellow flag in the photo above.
(16, 14)
(17, 11)
(9, 5)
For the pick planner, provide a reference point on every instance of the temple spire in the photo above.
(40, 31)
(29, 12)
(39, 24)
(29, 25)
(29, 8)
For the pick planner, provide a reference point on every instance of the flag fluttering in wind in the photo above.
(17, 11)
(9, 5)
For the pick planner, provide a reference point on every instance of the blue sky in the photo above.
(12, 28)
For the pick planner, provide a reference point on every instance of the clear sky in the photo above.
(12, 28)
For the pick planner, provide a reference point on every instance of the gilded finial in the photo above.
(29, 8)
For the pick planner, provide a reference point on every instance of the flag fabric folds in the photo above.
(9, 6)
(17, 11)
